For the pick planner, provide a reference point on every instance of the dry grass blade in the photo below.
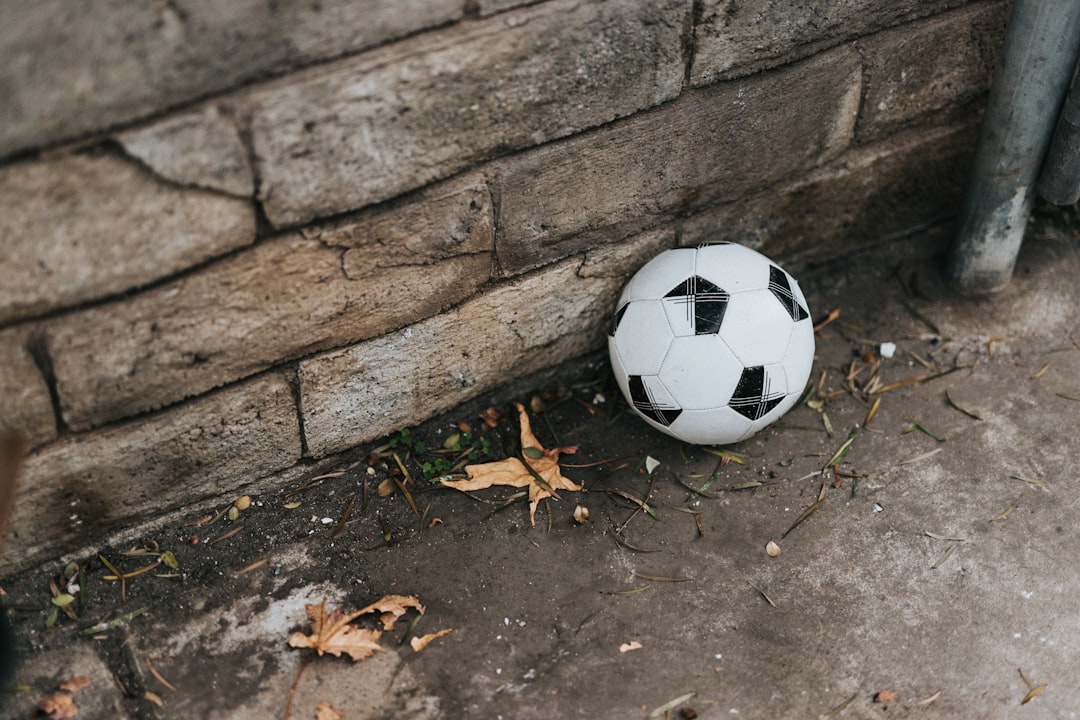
(839, 708)
(872, 412)
(920, 458)
(1003, 514)
(728, 456)
(253, 566)
(667, 707)
(227, 535)
(833, 314)
(954, 406)
(119, 575)
(312, 482)
(631, 591)
(1041, 371)
(702, 492)
(916, 425)
(617, 537)
(157, 675)
(1030, 481)
(841, 451)
(634, 499)
(1033, 690)
(762, 593)
(932, 698)
(340, 525)
(805, 514)
(944, 557)
(401, 486)
(935, 536)
(660, 578)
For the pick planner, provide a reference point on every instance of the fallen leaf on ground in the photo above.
(392, 607)
(628, 646)
(419, 643)
(326, 711)
(333, 634)
(513, 472)
(75, 684)
(57, 707)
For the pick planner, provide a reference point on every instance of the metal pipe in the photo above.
(1040, 51)
(1060, 179)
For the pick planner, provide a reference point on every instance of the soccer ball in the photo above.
(711, 344)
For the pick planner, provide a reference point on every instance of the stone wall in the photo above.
(236, 237)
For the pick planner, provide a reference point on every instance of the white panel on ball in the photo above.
(695, 385)
(757, 328)
(643, 350)
(658, 276)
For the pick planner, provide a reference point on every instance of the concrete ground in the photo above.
(937, 580)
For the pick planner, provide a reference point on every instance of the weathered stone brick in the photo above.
(79, 489)
(368, 128)
(285, 298)
(866, 197)
(201, 148)
(719, 143)
(82, 227)
(734, 38)
(931, 70)
(371, 389)
(72, 68)
(25, 405)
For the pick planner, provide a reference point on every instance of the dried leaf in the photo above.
(75, 684)
(333, 634)
(419, 643)
(392, 607)
(57, 707)
(542, 476)
(326, 711)
(1034, 693)
(629, 646)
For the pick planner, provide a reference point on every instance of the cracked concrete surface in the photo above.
(935, 576)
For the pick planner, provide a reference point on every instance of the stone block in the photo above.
(719, 143)
(199, 148)
(76, 491)
(74, 68)
(930, 71)
(25, 404)
(368, 128)
(733, 38)
(86, 226)
(369, 390)
(282, 299)
(867, 197)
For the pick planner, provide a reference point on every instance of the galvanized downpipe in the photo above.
(1042, 45)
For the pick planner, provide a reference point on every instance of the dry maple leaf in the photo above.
(75, 684)
(512, 472)
(57, 707)
(419, 643)
(392, 607)
(333, 634)
(326, 711)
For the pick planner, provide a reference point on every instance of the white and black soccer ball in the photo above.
(711, 344)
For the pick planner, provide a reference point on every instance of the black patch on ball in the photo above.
(643, 401)
(752, 398)
(781, 288)
(705, 304)
(618, 317)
